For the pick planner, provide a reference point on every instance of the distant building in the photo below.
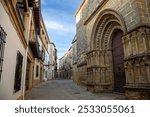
(74, 59)
(65, 65)
(52, 73)
(61, 68)
(46, 49)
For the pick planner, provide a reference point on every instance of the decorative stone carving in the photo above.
(99, 73)
(137, 63)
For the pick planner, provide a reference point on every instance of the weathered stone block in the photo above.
(137, 95)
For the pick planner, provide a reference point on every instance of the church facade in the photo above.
(113, 46)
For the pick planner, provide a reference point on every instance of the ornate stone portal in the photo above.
(136, 59)
(100, 65)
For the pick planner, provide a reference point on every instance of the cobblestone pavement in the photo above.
(67, 90)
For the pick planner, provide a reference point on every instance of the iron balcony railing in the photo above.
(42, 55)
(37, 53)
(34, 45)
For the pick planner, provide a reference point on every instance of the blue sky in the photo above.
(59, 19)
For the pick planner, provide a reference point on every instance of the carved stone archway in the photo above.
(100, 65)
(107, 20)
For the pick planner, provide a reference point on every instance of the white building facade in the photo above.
(14, 59)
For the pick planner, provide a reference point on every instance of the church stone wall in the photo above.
(94, 64)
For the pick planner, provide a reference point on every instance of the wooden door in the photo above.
(118, 67)
(27, 75)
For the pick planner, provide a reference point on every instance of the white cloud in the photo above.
(60, 23)
(53, 25)
(43, 2)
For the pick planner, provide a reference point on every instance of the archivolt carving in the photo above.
(106, 17)
(102, 27)
(106, 35)
(98, 31)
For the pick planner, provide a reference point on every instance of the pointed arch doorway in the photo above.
(118, 63)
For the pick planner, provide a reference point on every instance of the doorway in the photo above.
(27, 76)
(118, 63)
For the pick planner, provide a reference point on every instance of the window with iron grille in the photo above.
(18, 73)
(2, 47)
(37, 70)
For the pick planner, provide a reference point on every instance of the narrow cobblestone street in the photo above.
(67, 90)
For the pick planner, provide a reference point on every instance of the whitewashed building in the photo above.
(24, 51)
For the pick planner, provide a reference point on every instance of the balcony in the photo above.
(30, 3)
(36, 5)
(34, 45)
(42, 55)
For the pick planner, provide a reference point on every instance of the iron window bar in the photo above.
(2, 47)
(18, 72)
(20, 16)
